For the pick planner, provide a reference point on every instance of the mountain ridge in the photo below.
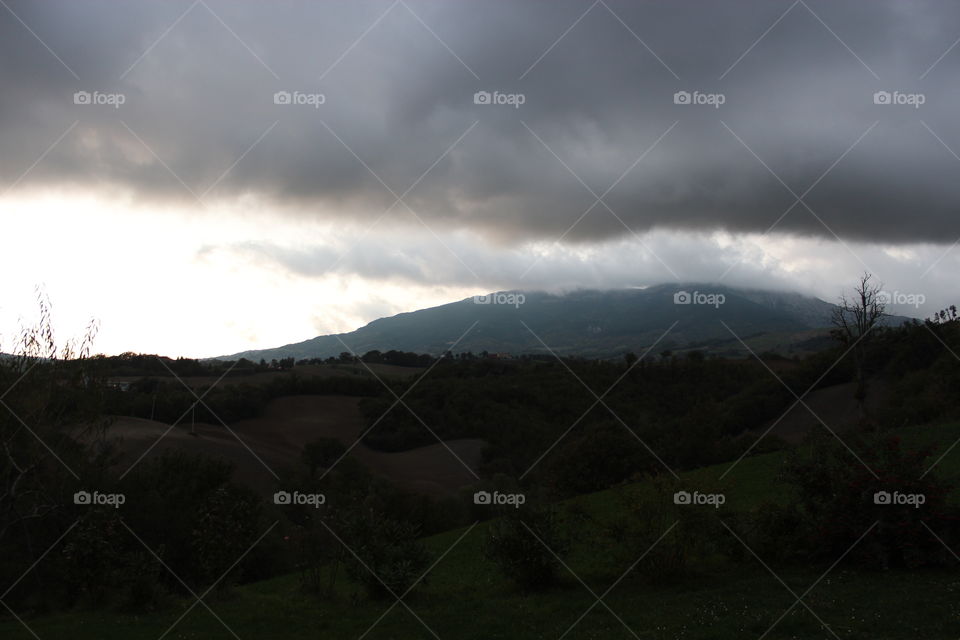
(584, 322)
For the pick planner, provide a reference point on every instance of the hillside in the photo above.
(587, 323)
(862, 517)
(717, 600)
(275, 440)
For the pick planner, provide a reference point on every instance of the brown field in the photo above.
(274, 441)
(306, 371)
(835, 405)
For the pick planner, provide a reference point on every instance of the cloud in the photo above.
(460, 263)
(199, 120)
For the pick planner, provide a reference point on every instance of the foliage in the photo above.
(526, 545)
(227, 524)
(597, 457)
(837, 500)
(386, 556)
(661, 538)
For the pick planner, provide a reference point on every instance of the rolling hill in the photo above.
(588, 323)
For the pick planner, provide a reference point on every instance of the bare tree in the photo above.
(854, 320)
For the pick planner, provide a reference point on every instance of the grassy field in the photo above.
(464, 596)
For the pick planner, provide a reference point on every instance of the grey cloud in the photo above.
(814, 268)
(799, 99)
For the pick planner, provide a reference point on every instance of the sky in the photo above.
(206, 177)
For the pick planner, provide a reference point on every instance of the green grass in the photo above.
(737, 604)
(464, 596)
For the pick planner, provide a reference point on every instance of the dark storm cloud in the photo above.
(199, 119)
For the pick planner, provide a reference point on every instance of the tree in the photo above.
(374, 356)
(853, 320)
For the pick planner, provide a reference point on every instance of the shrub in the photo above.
(389, 557)
(227, 524)
(649, 513)
(836, 494)
(596, 458)
(319, 556)
(523, 544)
(93, 556)
(773, 532)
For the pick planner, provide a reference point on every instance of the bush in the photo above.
(773, 532)
(102, 563)
(227, 525)
(523, 544)
(837, 506)
(389, 557)
(597, 457)
(650, 511)
(319, 556)
(93, 556)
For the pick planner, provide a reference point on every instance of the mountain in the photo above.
(589, 323)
